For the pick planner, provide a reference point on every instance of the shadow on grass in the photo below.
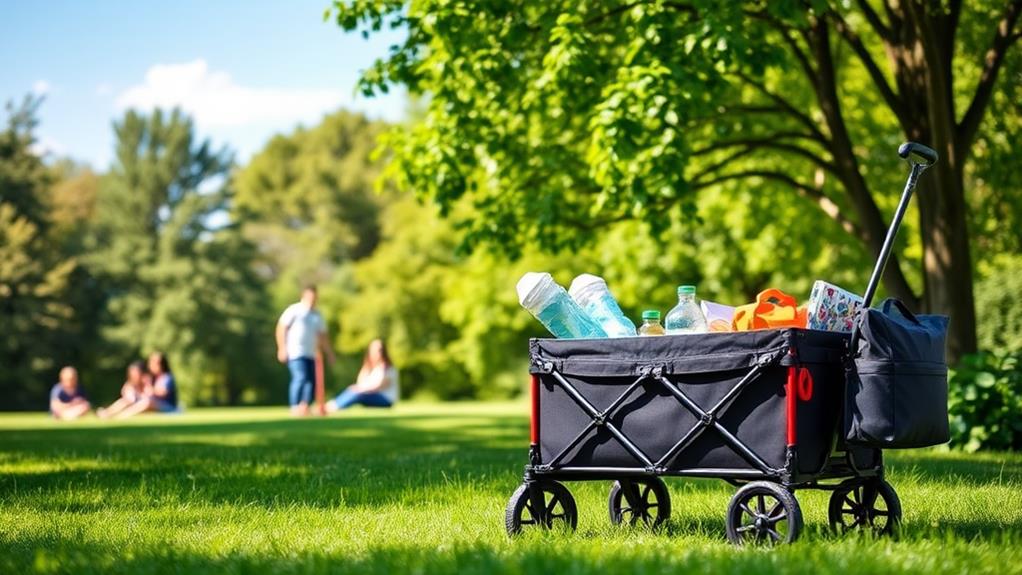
(313, 462)
(354, 460)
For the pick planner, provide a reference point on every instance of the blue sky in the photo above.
(244, 69)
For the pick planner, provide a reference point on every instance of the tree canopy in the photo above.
(560, 118)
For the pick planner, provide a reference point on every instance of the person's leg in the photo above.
(296, 391)
(309, 385)
(374, 400)
(350, 397)
(115, 408)
(140, 406)
(74, 411)
(344, 400)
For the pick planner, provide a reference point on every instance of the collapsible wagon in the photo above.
(763, 410)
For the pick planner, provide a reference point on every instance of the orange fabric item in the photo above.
(773, 309)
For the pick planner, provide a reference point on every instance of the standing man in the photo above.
(300, 332)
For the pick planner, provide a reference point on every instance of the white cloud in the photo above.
(215, 100)
(41, 88)
(46, 146)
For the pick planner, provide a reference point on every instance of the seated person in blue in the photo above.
(163, 397)
(377, 383)
(67, 400)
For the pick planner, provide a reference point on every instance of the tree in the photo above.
(558, 118)
(23, 176)
(176, 268)
(307, 198)
(34, 279)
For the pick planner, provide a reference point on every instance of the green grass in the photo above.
(422, 489)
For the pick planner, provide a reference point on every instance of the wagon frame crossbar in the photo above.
(705, 418)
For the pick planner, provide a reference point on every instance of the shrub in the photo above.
(999, 325)
(985, 401)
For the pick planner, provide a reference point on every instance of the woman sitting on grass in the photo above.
(163, 397)
(137, 385)
(377, 383)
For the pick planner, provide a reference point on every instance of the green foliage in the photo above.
(180, 278)
(999, 306)
(307, 198)
(606, 119)
(32, 299)
(985, 400)
(34, 279)
(23, 177)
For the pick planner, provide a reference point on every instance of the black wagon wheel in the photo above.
(865, 505)
(763, 512)
(550, 505)
(644, 499)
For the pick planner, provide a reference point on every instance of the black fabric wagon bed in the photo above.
(629, 380)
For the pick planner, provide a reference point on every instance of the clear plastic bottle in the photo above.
(593, 296)
(686, 317)
(651, 323)
(553, 307)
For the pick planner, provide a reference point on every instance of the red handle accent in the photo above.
(805, 384)
(792, 393)
(534, 424)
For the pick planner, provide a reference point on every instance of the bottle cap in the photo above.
(651, 314)
(686, 290)
(584, 282)
(532, 287)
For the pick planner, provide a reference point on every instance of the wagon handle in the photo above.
(908, 148)
(912, 152)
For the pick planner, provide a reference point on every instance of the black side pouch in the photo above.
(897, 387)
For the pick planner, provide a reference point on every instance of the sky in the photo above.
(245, 70)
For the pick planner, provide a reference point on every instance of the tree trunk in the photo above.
(873, 224)
(921, 60)
(947, 263)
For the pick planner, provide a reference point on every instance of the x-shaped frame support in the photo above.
(707, 419)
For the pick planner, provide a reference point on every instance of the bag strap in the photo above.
(886, 308)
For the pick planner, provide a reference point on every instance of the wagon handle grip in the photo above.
(909, 151)
(908, 148)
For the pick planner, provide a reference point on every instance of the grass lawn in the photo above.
(422, 489)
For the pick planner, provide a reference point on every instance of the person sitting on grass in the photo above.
(67, 400)
(377, 383)
(163, 397)
(137, 385)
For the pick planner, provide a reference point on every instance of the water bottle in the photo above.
(593, 296)
(554, 308)
(686, 317)
(651, 323)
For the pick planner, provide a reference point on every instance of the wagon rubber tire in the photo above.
(763, 512)
(652, 502)
(559, 508)
(859, 505)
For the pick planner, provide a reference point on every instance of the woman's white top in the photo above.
(392, 390)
